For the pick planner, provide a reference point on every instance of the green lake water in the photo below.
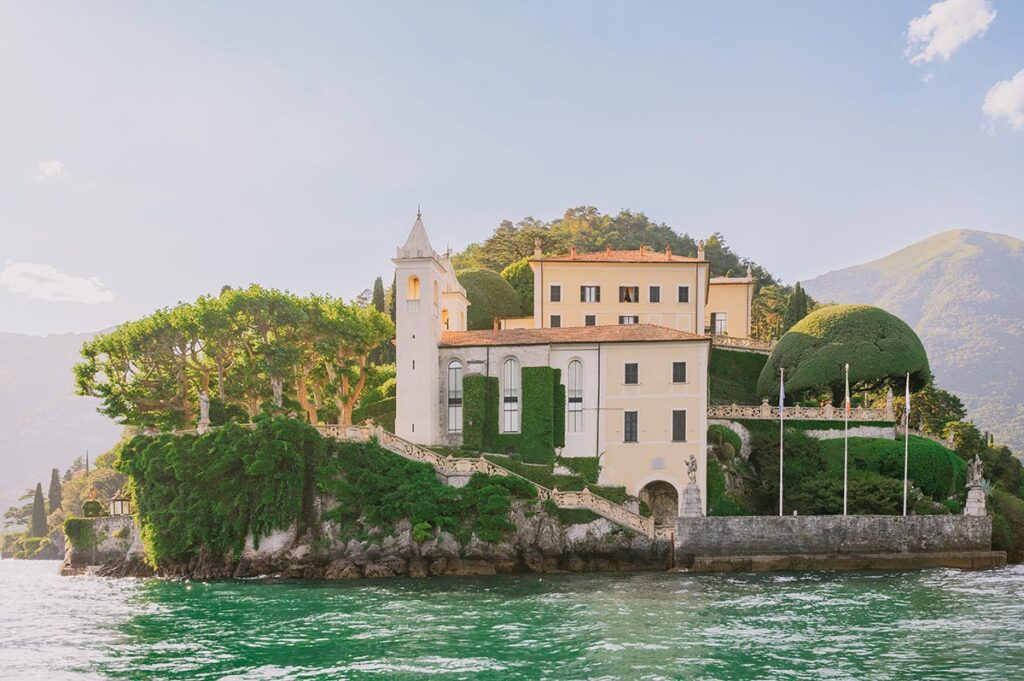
(937, 624)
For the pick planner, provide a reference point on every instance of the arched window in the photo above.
(455, 396)
(510, 396)
(413, 292)
(444, 319)
(574, 393)
(437, 299)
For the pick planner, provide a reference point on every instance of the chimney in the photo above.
(668, 252)
(641, 250)
(572, 252)
(700, 249)
(536, 249)
(497, 324)
(608, 249)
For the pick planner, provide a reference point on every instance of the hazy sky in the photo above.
(153, 152)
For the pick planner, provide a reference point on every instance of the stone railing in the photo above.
(824, 413)
(751, 344)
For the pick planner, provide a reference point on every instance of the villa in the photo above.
(628, 335)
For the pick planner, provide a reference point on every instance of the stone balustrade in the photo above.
(825, 412)
(750, 344)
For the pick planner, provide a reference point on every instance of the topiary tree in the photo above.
(879, 347)
(490, 297)
(520, 275)
(55, 496)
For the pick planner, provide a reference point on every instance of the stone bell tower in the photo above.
(419, 278)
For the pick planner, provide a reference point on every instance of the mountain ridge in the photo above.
(960, 291)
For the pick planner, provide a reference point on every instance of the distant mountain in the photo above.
(963, 292)
(43, 424)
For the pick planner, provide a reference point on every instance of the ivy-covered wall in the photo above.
(542, 414)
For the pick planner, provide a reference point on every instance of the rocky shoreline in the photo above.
(540, 543)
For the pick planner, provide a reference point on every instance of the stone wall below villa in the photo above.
(831, 542)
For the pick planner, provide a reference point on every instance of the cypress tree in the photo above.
(394, 294)
(797, 308)
(378, 294)
(56, 494)
(38, 528)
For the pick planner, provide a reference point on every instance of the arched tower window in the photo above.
(455, 396)
(510, 396)
(413, 292)
(444, 319)
(574, 395)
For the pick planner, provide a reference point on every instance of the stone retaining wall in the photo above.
(827, 535)
(115, 538)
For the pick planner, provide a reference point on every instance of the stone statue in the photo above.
(691, 469)
(204, 406)
(974, 472)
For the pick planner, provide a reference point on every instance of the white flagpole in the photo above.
(846, 438)
(782, 397)
(906, 443)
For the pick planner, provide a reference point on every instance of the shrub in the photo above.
(733, 374)
(520, 276)
(490, 297)
(879, 347)
(587, 467)
(720, 502)
(1007, 524)
(80, 532)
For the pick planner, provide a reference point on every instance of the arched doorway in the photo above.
(663, 500)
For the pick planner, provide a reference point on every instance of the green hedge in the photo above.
(381, 412)
(588, 467)
(542, 415)
(732, 375)
(720, 502)
(80, 532)
(935, 470)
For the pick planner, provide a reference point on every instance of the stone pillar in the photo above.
(691, 502)
(975, 501)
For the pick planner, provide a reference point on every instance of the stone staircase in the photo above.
(453, 469)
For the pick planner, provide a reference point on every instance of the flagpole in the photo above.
(782, 393)
(846, 438)
(906, 443)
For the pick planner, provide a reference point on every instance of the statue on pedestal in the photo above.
(692, 507)
(204, 413)
(976, 495)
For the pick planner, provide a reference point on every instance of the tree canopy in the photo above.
(879, 347)
(247, 349)
(38, 526)
(490, 297)
(520, 275)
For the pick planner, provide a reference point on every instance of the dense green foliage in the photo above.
(80, 532)
(879, 347)
(209, 492)
(1007, 513)
(935, 470)
(733, 375)
(798, 308)
(38, 526)
(520, 276)
(587, 467)
(542, 411)
(378, 488)
(720, 502)
(92, 508)
(247, 349)
(490, 297)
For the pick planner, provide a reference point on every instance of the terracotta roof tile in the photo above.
(647, 255)
(626, 333)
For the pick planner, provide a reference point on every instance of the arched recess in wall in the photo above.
(413, 288)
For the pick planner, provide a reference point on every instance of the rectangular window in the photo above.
(590, 294)
(510, 398)
(629, 426)
(574, 393)
(556, 321)
(455, 397)
(719, 323)
(629, 294)
(632, 376)
(590, 320)
(655, 294)
(556, 293)
(679, 425)
(684, 294)
(679, 372)
(629, 319)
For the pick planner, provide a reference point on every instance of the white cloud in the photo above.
(928, 77)
(44, 282)
(49, 169)
(945, 28)
(1005, 100)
